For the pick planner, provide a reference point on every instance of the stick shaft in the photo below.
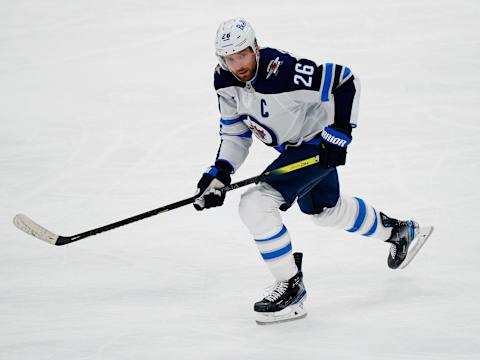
(30, 227)
(66, 240)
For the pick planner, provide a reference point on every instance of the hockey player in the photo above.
(301, 109)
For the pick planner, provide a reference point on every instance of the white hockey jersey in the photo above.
(288, 102)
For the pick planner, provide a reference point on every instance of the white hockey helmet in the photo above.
(233, 36)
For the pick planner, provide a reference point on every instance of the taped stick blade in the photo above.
(30, 227)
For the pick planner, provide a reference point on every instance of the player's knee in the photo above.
(250, 207)
(259, 210)
(328, 215)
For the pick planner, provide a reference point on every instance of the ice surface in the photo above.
(107, 110)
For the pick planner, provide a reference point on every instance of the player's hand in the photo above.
(208, 193)
(333, 146)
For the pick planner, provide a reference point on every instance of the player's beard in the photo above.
(246, 74)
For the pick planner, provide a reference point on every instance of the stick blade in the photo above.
(30, 227)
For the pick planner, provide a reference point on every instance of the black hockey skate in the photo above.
(285, 299)
(407, 239)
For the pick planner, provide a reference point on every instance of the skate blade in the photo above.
(290, 313)
(417, 243)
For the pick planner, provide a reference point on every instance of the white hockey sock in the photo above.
(259, 211)
(354, 215)
(276, 251)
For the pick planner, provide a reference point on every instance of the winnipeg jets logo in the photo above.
(260, 133)
(241, 24)
(273, 67)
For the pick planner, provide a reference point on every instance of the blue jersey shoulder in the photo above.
(223, 78)
(268, 53)
(280, 72)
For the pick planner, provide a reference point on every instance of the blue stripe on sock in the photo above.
(327, 82)
(374, 226)
(346, 73)
(360, 216)
(276, 236)
(276, 254)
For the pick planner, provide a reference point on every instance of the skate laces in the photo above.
(277, 290)
(393, 251)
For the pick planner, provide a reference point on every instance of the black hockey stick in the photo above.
(28, 226)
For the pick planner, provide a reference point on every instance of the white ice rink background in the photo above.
(107, 109)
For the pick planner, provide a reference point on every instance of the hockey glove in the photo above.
(208, 193)
(333, 146)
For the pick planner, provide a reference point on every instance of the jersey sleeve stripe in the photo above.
(232, 121)
(246, 134)
(327, 82)
(235, 130)
(336, 76)
(346, 74)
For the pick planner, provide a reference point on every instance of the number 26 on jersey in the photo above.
(303, 74)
